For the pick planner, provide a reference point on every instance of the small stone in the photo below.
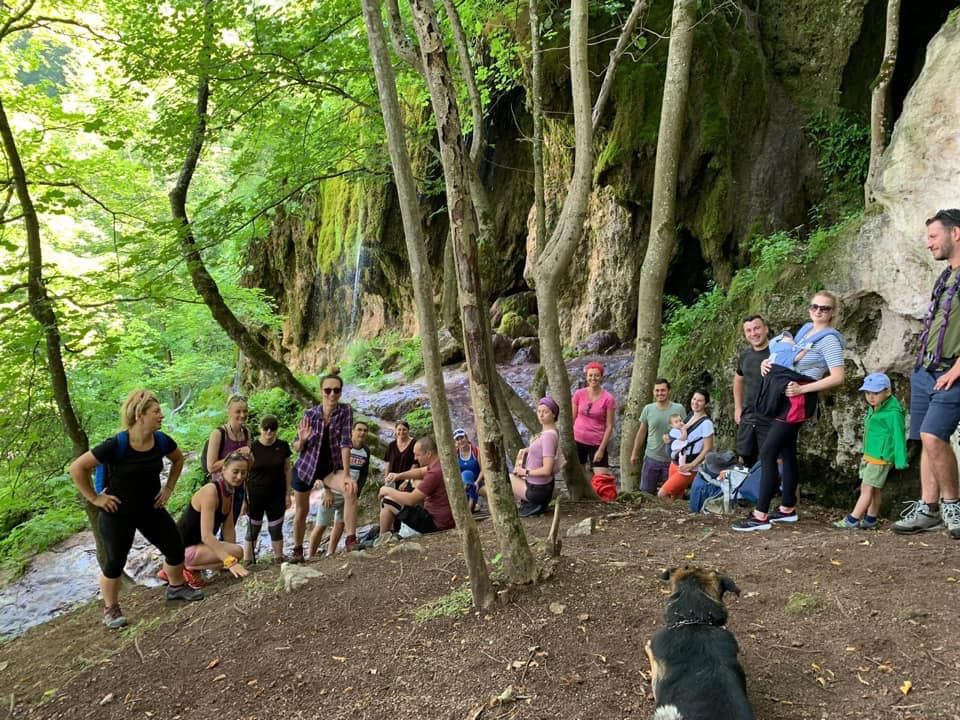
(107, 699)
(584, 527)
(405, 547)
(557, 608)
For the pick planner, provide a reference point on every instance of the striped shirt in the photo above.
(826, 353)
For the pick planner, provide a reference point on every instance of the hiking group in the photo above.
(775, 389)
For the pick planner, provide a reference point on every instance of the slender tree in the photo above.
(518, 560)
(663, 232)
(880, 99)
(423, 297)
(206, 287)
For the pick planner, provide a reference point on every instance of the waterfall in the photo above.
(355, 303)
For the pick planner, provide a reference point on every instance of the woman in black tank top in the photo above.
(210, 510)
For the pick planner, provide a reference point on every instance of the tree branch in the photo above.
(403, 46)
(623, 42)
(478, 141)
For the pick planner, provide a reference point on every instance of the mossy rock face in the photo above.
(513, 325)
(521, 303)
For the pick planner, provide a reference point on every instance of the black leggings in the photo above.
(781, 441)
(117, 530)
(271, 501)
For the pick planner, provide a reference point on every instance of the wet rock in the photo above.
(522, 303)
(526, 350)
(502, 349)
(514, 325)
(602, 341)
(451, 351)
(406, 548)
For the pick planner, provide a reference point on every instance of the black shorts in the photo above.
(415, 517)
(585, 455)
(751, 433)
(540, 494)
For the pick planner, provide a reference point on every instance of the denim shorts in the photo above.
(328, 516)
(936, 412)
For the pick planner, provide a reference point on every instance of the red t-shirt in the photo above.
(436, 501)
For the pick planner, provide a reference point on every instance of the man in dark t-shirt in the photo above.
(751, 426)
(427, 508)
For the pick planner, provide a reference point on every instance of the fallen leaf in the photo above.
(689, 556)
(822, 681)
(865, 542)
(107, 699)
(221, 676)
(851, 648)
(475, 713)
(816, 668)
(752, 593)
(3, 665)
(951, 579)
(508, 695)
(213, 663)
(884, 667)
(788, 571)
(906, 687)
(838, 563)
(252, 682)
(860, 678)
(583, 617)
(339, 658)
(557, 608)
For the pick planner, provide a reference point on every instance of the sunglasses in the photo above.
(332, 391)
(821, 308)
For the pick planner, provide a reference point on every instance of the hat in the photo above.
(716, 462)
(875, 382)
(550, 403)
(459, 433)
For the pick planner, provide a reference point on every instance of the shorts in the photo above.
(328, 516)
(415, 517)
(936, 412)
(190, 556)
(751, 432)
(540, 494)
(324, 468)
(585, 454)
(653, 474)
(874, 475)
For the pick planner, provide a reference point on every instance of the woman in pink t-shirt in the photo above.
(532, 476)
(593, 411)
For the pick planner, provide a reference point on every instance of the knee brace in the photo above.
(275, 529)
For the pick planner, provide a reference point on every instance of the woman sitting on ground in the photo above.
(532, 477)
(399, 458)
(699, 441)
(211, 510)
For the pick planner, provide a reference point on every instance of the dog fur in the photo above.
(694, 668)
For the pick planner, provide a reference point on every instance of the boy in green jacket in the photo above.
(884, 444)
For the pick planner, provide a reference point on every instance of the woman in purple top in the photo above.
(532, 476)
(593, 415)
(324, 442)
(232, 436)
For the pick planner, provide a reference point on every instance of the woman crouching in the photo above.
(532, 477)
(209, 511)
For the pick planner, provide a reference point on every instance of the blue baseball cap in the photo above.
(875, 382)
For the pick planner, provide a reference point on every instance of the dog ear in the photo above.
(728, 585)
(667, 574)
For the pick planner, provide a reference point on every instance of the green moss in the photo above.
(803, 604)
(421, 421)
(636, 94)
(338, 216)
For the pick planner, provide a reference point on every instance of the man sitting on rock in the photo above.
(427, 508)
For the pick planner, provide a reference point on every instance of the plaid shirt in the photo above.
(341, 428)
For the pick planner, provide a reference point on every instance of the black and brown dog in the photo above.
(694, 668)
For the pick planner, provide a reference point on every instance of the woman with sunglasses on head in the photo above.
(211, 511)
(593, 414)
(819, 368)
(324, 440)
(399, 458)
(232, 436)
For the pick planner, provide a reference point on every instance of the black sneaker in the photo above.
(528, 509)
(778, 516)
(751, 523)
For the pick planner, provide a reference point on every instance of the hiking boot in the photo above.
(350, 544)
(751, 523)
(387, 538)
(194, 579)
(296, 557)
(917, 518)
(184, 592)
(950, 511)
(869, 524)
(113, 617)
(528, 509)
(779, 516)
(845, 524)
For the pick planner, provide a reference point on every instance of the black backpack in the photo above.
(206, 445)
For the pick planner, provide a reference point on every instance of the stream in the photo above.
(66, 575)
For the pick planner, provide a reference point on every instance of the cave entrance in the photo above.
(917, 26)
(689, 272)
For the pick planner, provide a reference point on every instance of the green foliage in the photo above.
(62, 516)
(454, 604)
(367, 361)
(421, 421)
(685, 323)
(803, 604)
(843, 149)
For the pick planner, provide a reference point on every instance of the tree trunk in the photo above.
(623, 42)
(880, 100)
(663, 234)
(448, 299)
(518, 407)
(41, 308)
(480, 584)
(536, 111)
(518, 560)
(276, 372)
(553, 256)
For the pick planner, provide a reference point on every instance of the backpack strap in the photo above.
(123, 442)
(805, 338)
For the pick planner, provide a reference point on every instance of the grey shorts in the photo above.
(328, 516)
(936, 412)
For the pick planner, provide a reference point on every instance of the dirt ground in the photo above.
(831, 624)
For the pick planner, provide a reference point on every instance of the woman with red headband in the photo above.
(593, 411)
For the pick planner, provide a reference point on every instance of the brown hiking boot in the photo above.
(296, 556)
